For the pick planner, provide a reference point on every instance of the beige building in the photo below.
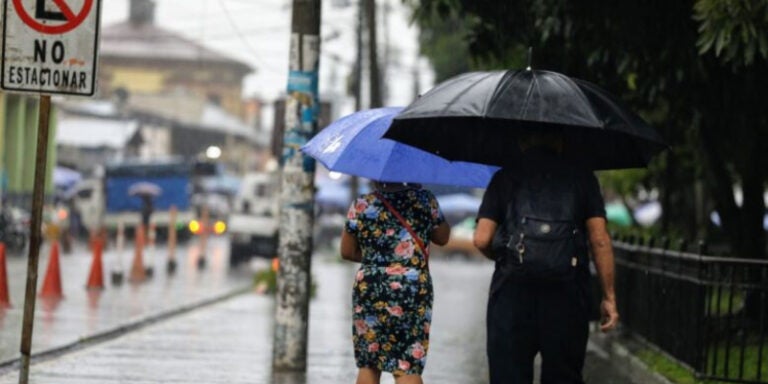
(178, 98)
(141, 58)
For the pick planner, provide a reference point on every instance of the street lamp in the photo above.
(213, 152)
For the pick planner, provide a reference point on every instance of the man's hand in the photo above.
(610, 315)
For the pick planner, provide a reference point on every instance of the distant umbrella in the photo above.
(144, 188)
(458, 203)
(715, 218)
(648, 213)
(618, 213)
(65, 178)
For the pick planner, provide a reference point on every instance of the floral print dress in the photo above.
(392, 293)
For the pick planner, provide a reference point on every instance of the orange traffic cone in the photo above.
(52, 283)
(138, 273)
(5, 300)
(96, 277)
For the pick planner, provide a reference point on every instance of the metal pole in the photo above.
(297, 193)
(38, 194)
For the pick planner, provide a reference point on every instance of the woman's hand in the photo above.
(441, 234)
(350, 250)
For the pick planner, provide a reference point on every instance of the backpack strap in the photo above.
(405, 224)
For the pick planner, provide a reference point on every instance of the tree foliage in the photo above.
(695, 69)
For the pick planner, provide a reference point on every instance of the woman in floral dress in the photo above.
(392, 294)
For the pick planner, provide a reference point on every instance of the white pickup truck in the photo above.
(253, 221)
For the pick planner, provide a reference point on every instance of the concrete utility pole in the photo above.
(298, 191)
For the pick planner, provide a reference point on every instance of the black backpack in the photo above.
(541, 239)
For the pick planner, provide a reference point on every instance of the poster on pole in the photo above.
(50, 46)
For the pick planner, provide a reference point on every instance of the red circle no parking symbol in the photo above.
(55, 21)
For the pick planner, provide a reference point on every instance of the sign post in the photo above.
(49, 47)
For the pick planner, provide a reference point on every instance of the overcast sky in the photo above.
(257, 32)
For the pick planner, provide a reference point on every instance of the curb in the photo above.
(119, 330)
(621, 356)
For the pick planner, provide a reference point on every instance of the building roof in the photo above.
(93, 132)
(129, 40)
(183, 111)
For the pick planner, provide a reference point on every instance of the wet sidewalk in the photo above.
(231, 342)
(83, 314)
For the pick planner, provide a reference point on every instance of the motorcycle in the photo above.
(14, 229)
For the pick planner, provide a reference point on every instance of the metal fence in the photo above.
(709, 313)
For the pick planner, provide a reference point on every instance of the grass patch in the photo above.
(720, 307)
(678, 373)
(751, 362)
(667, 367)
(265, 281)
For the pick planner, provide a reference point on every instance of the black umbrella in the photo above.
(479, 116)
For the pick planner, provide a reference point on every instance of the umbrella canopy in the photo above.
(144, 188)
(478, 117)
(353, 145)
(65, 178)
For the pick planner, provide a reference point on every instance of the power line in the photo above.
(244, 39)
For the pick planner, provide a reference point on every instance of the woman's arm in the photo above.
(441, 234)
(350, 250)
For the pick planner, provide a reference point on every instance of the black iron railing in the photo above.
(709, 313)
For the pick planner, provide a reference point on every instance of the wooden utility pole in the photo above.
(354, 181)
(35, 235)
(298, 191)
(373, 57)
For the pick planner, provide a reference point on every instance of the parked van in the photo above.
(253, 221)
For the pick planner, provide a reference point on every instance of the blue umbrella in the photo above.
(459, 203)
(353, 145)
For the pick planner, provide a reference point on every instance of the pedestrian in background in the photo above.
(147, 207)
(388, 232)
(536, 221)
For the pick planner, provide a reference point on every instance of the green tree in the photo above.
(697, 70)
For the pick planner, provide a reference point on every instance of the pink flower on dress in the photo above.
(404, 249)
(403, 365)
(390, 232)
(361, 205)
(373, 347)
(361, 327)
(359, 276)
(395, 311)
(395, 285)
(418, 351)
(358, 309)
(396, 270)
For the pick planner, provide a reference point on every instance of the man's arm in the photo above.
(602, 251)
(483, 238)
(350, 250)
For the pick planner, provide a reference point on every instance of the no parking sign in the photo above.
(50, 46)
